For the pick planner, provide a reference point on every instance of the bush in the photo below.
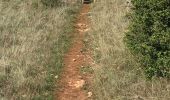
(149, 36)
(51, 3)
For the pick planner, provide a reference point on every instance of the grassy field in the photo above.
(117, 72)
(33, 38)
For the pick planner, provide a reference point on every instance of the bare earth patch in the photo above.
(72, 82)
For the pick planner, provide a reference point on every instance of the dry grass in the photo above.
(32, 42)
(118, 75)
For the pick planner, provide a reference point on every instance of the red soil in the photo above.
(72, 81)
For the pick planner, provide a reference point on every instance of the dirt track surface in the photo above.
(71, 81)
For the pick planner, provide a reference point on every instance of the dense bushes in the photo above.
(149, 35)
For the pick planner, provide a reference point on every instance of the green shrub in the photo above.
(149, 35)
(51, 3)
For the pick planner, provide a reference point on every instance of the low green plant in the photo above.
(51, 3)
(86, 69)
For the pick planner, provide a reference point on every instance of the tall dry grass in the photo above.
(117, 74)
(32, 42)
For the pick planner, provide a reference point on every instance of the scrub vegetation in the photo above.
(149, 36)
(118, 72)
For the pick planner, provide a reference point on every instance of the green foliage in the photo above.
(149, 35)
(51, 3)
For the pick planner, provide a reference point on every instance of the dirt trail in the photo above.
(72, 81)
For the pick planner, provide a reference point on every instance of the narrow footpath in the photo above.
(72, 81)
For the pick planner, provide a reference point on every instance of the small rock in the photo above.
(118, 68)
(74, 60)
(24, 95)
(56, 77)
(79, 24)
(43, 72)
(80, 77)
(97, 48)
(79, 84)
(70, 83)
(46, 94)
(138, 97)
(89, 94)
(82, 66)
(85, 30)
(81, 50)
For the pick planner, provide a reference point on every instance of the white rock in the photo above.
(79, 84)
(56, 77)
(74, 60)
(24, 95)
(89, 94)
